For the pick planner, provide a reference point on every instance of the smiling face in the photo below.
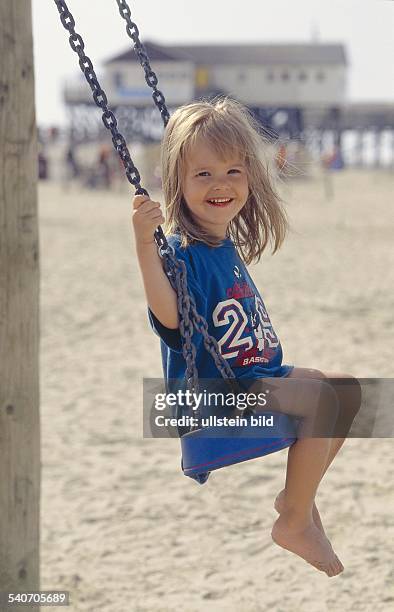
(215, 189)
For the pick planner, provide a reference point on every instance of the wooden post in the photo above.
(19, 303)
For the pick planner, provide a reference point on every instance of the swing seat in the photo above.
(208, 448)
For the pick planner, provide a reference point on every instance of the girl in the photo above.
(222, 210)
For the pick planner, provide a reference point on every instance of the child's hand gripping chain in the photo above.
(147, 216)
(160, 296)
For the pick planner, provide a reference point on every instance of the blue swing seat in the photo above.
(207, 449)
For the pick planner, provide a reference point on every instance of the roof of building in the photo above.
(266, 54)
(154, 51)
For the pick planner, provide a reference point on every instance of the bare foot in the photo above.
(279, 506)
(308, 542)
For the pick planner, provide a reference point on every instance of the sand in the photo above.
(122, 529)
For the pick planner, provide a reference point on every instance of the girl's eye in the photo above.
(205, 173)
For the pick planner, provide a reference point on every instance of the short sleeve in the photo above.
(172, 337)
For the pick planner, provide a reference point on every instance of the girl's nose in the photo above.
(220, 184)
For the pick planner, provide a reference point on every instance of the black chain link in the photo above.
(175, 269)
(150, 76)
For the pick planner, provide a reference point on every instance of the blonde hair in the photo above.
(226, 125)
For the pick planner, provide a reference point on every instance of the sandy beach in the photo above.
(122, 528)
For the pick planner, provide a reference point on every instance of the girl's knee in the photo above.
(320, 396)
(313, 399)
(347, 389)
(349, 392)
(353, 395)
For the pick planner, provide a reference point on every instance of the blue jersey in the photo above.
(228, 299)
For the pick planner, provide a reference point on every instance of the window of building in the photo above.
(270, 76)
(320, 76)
(118, 80)
(285, 76)
(302, 76)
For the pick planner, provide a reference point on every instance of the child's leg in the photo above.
(316, 402)
(348, 392)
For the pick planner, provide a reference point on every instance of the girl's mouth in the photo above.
(220, 202)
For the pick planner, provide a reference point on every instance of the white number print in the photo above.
(231, 311)
(268, 332)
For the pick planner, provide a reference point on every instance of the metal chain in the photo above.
(100, 98)
(150, 76)
(189, 317)
(175, 269)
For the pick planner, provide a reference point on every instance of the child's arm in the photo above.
(161, 297)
